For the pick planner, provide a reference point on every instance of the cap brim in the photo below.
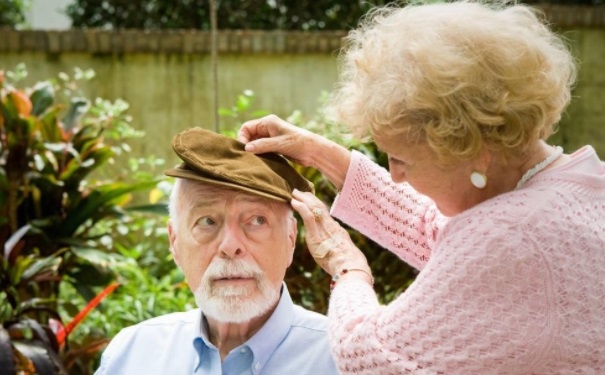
(192, 175)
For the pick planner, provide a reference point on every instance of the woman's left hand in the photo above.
(328, 242)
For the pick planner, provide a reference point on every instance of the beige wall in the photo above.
(169, 92)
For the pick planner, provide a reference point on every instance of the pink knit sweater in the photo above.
(515, 285)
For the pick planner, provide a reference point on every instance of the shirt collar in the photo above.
(263, 343)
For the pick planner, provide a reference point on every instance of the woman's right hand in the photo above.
(327, 241)
(272, 134)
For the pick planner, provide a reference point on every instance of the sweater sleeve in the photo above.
(482, 305)
(393, 215)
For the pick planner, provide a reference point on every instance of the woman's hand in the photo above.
(272, 134)
(328, 243)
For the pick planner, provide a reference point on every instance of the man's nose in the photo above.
(231, 244)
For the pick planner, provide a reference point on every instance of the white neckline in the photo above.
(540, 166)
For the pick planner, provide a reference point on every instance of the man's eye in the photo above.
(205, 221)
(258, 220)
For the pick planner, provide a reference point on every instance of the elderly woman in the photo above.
(507, 231)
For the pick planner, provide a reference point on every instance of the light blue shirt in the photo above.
(292, 341)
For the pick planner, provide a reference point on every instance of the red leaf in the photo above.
(64, 332)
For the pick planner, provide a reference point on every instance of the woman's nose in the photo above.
(397, 175)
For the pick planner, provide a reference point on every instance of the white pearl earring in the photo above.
(479, 180)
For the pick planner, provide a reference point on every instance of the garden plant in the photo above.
(52, 140)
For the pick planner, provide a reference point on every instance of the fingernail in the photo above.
(249, 147)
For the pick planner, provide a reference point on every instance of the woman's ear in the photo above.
(483, 160)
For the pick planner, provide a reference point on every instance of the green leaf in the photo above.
(14, 239)
(71, 308)
(225, 112)
(42, 265)
(78, 107)
(76, 171)
(33, 303)
(50, 126)
(95, 256)
(158, 209)
(98, 200)
(51, 164)
(259, 113)
(243, 102)
(9, 111)
(18, 267)
(42, 97)
(87, 275)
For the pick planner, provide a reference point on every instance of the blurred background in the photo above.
(92, 91)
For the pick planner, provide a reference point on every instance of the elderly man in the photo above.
(232, 232)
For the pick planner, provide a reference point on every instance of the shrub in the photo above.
(195, 14)
(51, 141)
(251, 14)
(12, 12)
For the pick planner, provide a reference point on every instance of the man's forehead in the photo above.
(207, 194)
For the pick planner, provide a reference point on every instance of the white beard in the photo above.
(234, 304)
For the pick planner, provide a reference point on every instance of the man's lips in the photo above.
(234, 278)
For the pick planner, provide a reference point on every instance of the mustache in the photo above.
(223, 269)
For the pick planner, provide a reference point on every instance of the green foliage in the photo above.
(241, 111)
(250, 14)
(142, 295)
(564, 2)
(150, 283)
(52, 139)
(12, 12)
(194, 14)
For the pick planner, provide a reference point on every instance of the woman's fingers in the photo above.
(314, 225)
(269, 126)
(319, 225)
(272, 134)
(256, 129)
(327, 241)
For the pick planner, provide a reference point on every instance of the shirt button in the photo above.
(257, 366)
(242, 350)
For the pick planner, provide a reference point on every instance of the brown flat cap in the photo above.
(220, 160)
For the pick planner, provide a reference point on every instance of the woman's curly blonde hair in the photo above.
(461, 76)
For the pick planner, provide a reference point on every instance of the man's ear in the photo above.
(172, 239)
(292, 233)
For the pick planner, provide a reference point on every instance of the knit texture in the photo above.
(515, 285)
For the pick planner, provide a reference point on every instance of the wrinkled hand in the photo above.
(328, 242)
(272, 134)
